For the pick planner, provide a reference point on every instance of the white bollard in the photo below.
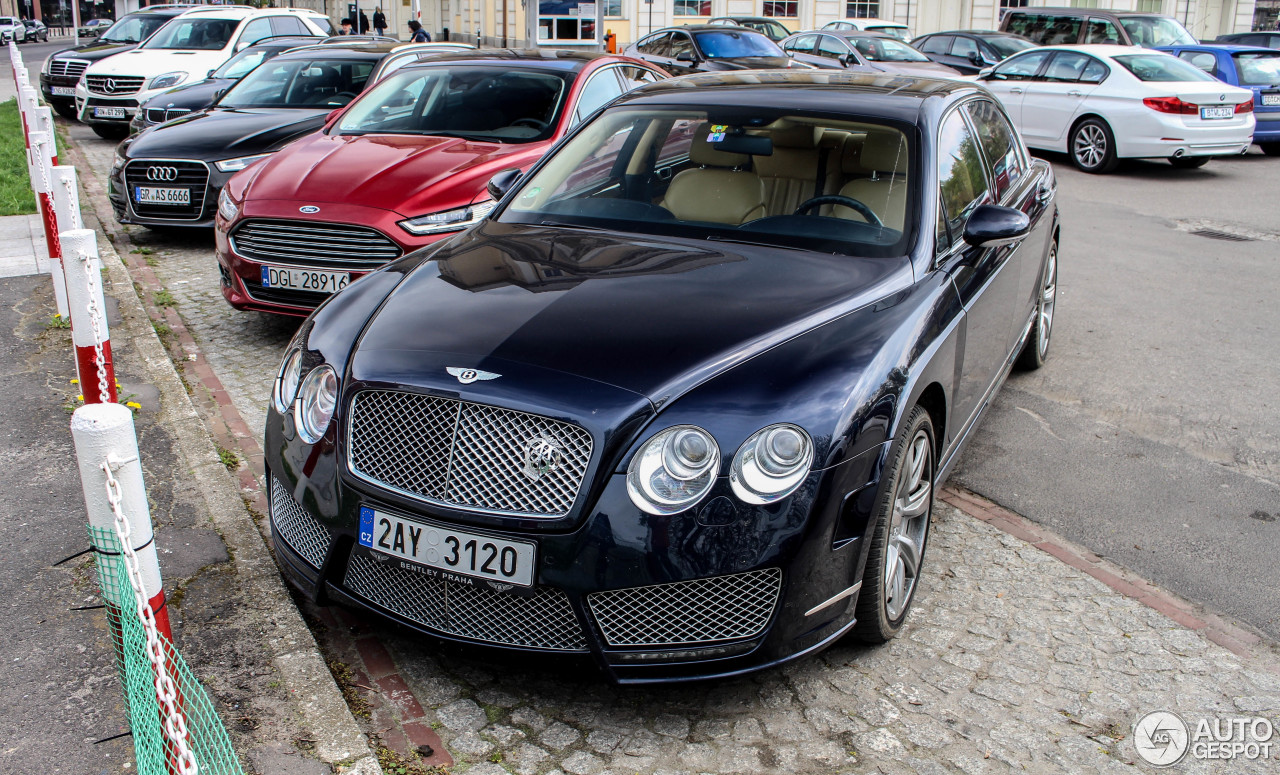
(88, 315)
(43, 122)
(66, 197)
(104, 433)
(39, 164)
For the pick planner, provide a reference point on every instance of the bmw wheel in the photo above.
(901, 531)
(1036, 347)
(1093, 147)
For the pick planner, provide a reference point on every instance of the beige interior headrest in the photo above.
(798, 136)
(701, 152)
(884, 151)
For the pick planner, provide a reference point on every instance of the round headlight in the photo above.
(673, 470)
(771, 464)
(317, 399)
(286, 387)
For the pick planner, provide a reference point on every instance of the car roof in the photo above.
(363, 51)
(743, 19)
(703, 28)
(244, 12)
(1230, 48)
(858, 34)
(1065, 10)
(893, 97)
(1093, 49)
(551, 59)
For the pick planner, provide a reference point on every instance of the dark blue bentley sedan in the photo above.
(680, 403)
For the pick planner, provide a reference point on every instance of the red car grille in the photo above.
(313, 244)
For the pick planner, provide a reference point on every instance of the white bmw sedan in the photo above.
(1101, 103)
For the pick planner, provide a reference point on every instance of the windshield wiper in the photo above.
(565, 225)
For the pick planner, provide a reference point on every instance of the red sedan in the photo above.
(401, 167)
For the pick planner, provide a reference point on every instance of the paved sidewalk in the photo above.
(22, 245)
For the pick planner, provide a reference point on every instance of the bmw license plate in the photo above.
(449, 552)
(101, 112)
(1217, 111)
(64, 91)
(145, 195)
(311, 280)
(1271, 99)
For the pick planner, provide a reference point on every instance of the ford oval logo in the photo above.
(308, 209)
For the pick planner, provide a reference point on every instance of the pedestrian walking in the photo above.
(419, 35)
(364, 23)
(379, 21)
(346, 27)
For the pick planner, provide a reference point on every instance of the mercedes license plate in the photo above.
(1218, 111)
(64, 91)
(1271, 99)
(311, 280)
(101, 112)
(448, 550)
(145, 195)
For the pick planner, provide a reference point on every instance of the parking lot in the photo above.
(1151, 438)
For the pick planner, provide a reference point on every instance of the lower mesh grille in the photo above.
(544, 621)
(701, 611)
(301, 531)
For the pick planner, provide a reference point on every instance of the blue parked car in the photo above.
(1250, 67)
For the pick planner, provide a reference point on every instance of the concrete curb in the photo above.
(339, 741)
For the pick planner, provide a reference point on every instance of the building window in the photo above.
(788, 9)
(1013, 4)
(693, 7)
(1150, 6)
(1084, 3)
(856, 9)
(612, 7)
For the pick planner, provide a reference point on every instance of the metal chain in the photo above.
(44, 169)
(175, 724)
(76, 223)
(99, 357)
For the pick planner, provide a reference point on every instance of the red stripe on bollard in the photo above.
(50, 226)
(161, 611)
(87, 369)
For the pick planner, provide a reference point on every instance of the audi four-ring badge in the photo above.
(679, 404)
(161, 174)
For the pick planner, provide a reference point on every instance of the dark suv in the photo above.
(1059, 26)
(63, 69)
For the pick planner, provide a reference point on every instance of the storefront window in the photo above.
(567, 21)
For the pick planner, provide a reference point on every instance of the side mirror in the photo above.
(976, 59)
(848, 60)
(504, 181)
(332, 115)
(217, 96)
(210, 73)
(987, 74)
(685, 56)
(991, 226)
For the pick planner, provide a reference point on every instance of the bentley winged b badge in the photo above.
(467, 376)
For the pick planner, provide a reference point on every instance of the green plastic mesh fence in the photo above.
(206, 736)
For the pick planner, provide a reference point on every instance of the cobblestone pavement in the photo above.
(1011, 661)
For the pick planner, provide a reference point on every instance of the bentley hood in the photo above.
(225, 134)
(654, 316)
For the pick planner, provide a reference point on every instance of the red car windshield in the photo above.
(494, 104)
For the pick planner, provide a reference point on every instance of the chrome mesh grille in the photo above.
(191, 175)
(161, 115)
(68, 68)
(301, 531)
(544, 620)
(312, 243)
(113, 85)
(701, 611)
(458, 453)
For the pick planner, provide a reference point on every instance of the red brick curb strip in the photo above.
(1230, 636)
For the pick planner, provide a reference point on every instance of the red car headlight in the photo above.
(449, 220)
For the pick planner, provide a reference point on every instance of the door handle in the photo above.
(1044, 193)
(1015, 90)
(1075, 93)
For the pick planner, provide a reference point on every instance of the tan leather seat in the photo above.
(718, 191)
(790, 175)
(880, 168)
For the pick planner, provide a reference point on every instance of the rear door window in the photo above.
(936, 44)
(1023, 67)
(1102, 31)
(802, 44)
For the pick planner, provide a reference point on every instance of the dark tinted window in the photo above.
(680, 44)
(1044, 28)
(717, 44)
(831, 47)
(960, 175)
(1022, 67)
(935, 44)
(1006, 46)
(289, 25)
(1102, 31)
(998, 145)
(964, 47)
(802, 44)
(255, 31)
(654, 46)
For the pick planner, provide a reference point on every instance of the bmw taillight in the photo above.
(1174, 105)
(1245, 107)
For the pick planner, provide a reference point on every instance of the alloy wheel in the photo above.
(1090, 146)
(1048, 296)
(908, 526)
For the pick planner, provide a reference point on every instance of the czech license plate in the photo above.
(144, 195)
(64, 91)
(1218, 111)
(447, 549)
(101, 112)
(1271, 99)
(304, 279)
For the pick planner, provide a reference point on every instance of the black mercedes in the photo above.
(171, 174)
(682, 400)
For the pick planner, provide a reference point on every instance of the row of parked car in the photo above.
(13, 29)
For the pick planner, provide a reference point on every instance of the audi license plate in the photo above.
(101, 112)
(64, 91)
(304, 279)
(1271, 99)
(144, 195)
(1218, 111)
(448, 550)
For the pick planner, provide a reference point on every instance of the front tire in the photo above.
(1093, 147)
(1188, 162)
(110, 132)
(66, 111)
(1035, 350)
(1270, 149)
(901, 532)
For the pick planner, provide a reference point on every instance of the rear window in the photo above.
(1044, 28)
(1156, 31)
(1258, 68)
(1161, 67)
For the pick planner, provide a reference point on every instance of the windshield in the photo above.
(901, 33)
(1161, 67)
(299, 83)
(1007, 47)
(698, 174)
(494, 104)
(729, 44)
(1258, 68)
(200, 34)
(887, 50)
(1157, 31)
(133, 29)
(240, 64)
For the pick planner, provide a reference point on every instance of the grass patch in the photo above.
(142, 251)
(228, 458)
(15, 188)
(58, 321)
(164, 299)
(360, 707)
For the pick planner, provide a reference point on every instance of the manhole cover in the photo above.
(1223, 235)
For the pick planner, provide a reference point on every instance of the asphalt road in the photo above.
(1151, 437)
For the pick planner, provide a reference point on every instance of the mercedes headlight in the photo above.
(673, 470)
(316, 402)
(449, 220)
(48, 61)
(168, 79)
(226, 208)
(239, 163)
(771, 464)
(286, 387)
